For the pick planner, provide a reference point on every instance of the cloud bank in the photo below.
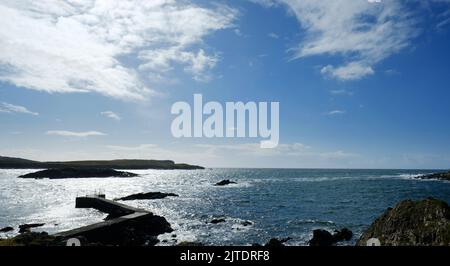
(87, 45)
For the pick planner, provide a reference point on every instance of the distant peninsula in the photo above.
(60, 173)
(19, 163)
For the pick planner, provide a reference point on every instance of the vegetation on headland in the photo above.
(19, 163)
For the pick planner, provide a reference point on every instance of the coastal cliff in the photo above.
(412, 223)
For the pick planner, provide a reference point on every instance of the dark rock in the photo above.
(274, 242)
(321, 238)
(148, 196)
(59, 173)
(246, 223)
(216, 221)
(412, 223)
(438, 176)
(6, 229)
(225, 182)
(343, 235)
(26, 227)
(324, 238)
(142, 231)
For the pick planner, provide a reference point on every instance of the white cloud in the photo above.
(11, 108)
(362, 32)
(87, 45)
(65, 133)
(351, 71)
(273, 35)
(336, 112)
(111, 114)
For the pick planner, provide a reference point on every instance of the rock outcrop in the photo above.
(412, 223)
(225, 182)
(59, 173)
(6, 229)
(148, 196)
(246, 223)
(438, 176)
(217, 220)
(27, 227)
(323, 238)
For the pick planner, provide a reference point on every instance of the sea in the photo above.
(279, 203)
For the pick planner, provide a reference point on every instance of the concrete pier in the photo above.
(99, 202)
(109, 230)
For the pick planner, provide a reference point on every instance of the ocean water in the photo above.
(279, 202)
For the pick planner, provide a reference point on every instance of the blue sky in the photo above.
(360, 84)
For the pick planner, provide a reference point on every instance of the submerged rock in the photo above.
(225, 182)
(438, 176)
(26, 227)
(246, 223)
(412, 223)
(6, 229)
(148, 196)
(59, 173)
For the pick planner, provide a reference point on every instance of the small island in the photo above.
(60, 173)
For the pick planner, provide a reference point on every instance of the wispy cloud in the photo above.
(336, 112)
(65, 133)
(362, 32)
(341, 92)
(141, 147)
(11, 108)
(351, 71)
(112, 115)
(86, 45)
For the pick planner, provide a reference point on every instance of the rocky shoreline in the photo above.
(445, 176)
(410, 223)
